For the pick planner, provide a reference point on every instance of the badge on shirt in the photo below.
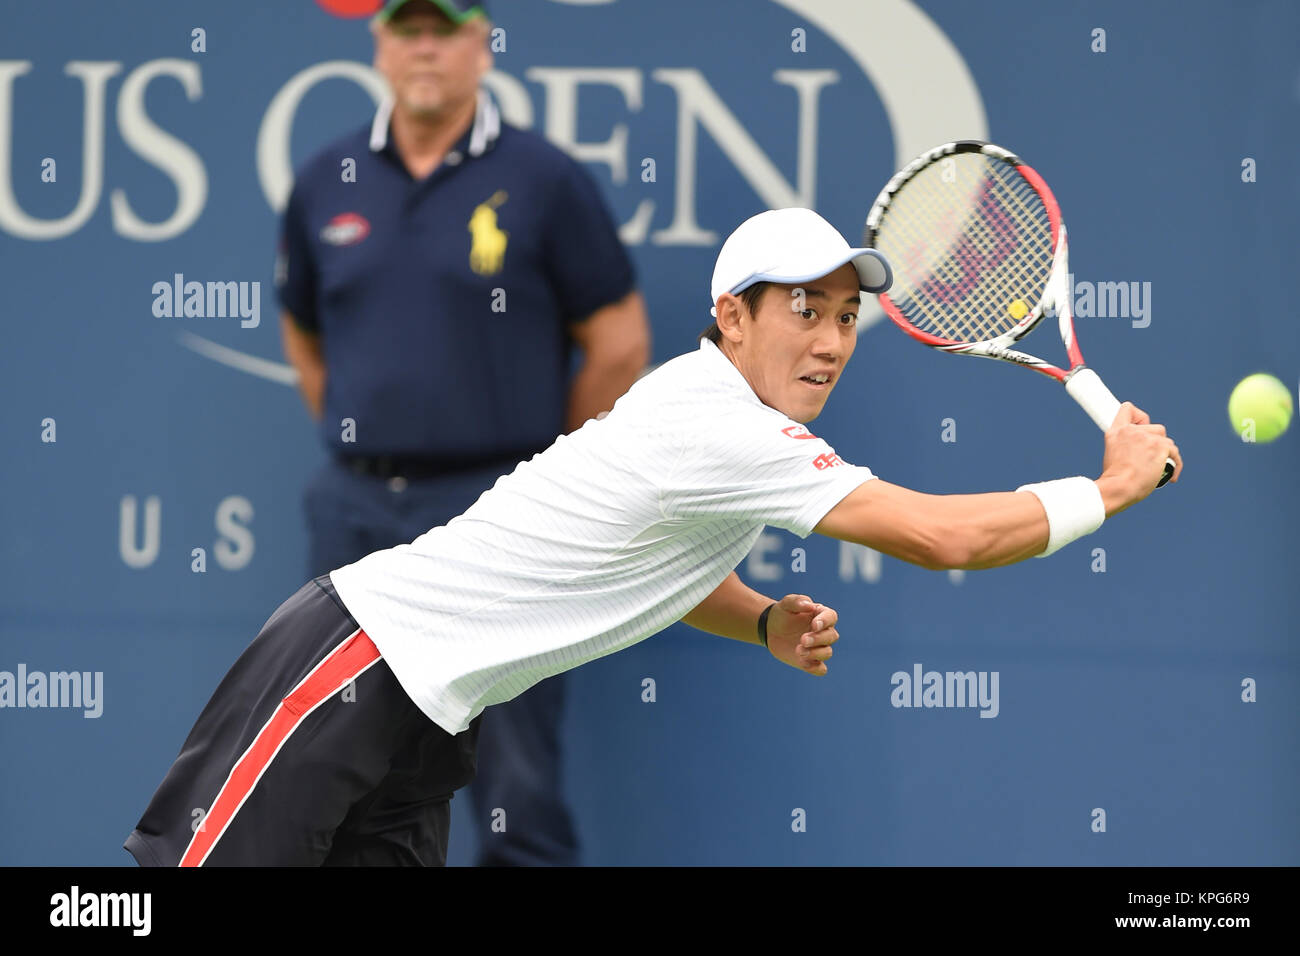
(345, 229)
(487, 253)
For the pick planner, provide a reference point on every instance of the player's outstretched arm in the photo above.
(990, 530)
(800, 631)
(940, 531)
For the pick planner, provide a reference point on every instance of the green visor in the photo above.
(457, 11)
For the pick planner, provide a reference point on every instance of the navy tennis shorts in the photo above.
(308, 754)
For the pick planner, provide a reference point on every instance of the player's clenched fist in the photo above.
(1136, 450)
(800, 633)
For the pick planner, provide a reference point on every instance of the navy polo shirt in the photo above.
(443, 304)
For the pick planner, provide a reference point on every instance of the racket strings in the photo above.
(970, 292)
(984, 237)
(971, 245)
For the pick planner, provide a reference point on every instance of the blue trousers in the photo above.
(351, 515)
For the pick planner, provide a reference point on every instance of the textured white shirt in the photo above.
(607, 537)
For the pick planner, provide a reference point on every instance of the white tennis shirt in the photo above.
(607, 537)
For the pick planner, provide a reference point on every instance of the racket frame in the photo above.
(1082, 383)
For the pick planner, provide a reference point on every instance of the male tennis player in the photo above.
(315, 749)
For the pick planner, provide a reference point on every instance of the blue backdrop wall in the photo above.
(1147, 677)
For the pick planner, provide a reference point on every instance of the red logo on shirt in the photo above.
(828, 460)
(345, 229)
(797, 431)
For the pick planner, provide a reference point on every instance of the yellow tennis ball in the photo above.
(1018, 309)
(1259, 408)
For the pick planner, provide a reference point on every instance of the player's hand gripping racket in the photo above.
(978, 250)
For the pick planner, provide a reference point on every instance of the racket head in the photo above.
(971, 233)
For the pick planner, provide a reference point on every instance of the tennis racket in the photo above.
(979, 254)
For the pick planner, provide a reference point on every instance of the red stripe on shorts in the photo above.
(343, 665)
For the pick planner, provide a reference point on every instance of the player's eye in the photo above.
(809, 313)
(851, 316)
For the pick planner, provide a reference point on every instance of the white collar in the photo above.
(737, 378)
(482, 135)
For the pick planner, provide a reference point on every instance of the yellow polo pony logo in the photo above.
(487, 254)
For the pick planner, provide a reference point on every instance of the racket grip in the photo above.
(1086, 387)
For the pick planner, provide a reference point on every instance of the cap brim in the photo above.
(874, 273)
(873, 269)
(448, 10)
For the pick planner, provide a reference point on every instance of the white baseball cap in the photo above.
(792, 245)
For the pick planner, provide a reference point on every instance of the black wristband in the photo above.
(762, 624)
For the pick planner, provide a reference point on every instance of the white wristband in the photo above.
(1074, 508)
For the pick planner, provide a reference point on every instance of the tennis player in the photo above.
(340, 734)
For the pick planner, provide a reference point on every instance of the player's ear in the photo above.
(730, 310)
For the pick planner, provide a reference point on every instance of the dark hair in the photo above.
(751, 297)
